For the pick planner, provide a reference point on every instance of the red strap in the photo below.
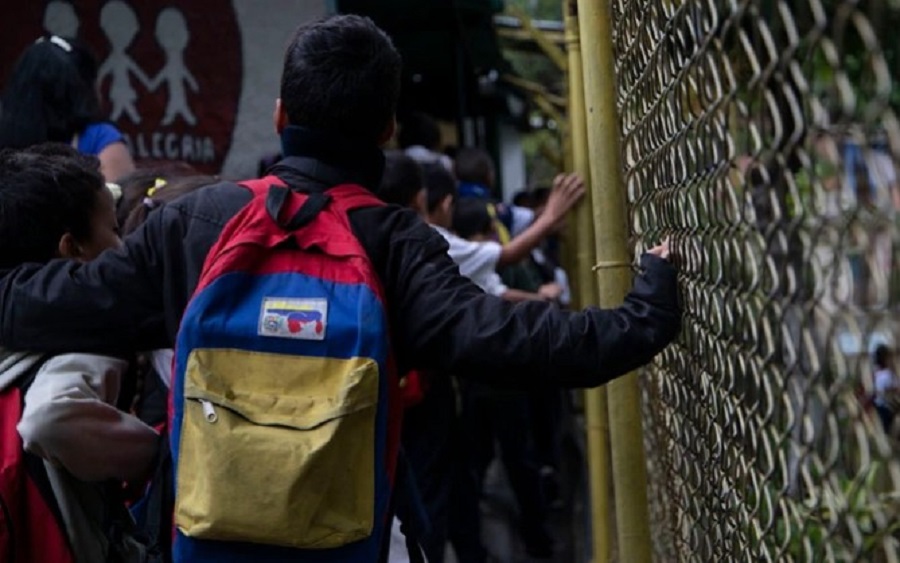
(261, 185)
(345, 197)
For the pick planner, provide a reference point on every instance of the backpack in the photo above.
(31, 527)
(285, 401)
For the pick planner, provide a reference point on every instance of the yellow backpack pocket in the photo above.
(277, 449)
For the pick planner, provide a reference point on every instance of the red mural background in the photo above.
(171, 72)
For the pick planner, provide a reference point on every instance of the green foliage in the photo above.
(539, 170)
(816, 527)
(539, 9)
(538, 68)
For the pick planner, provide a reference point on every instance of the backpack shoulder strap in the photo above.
(343, 198)
(348, 197)
(33, 466)
(261, 185)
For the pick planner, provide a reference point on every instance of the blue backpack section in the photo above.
(357, 327)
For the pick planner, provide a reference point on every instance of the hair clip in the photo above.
(149, 203)
(158, 184)
(115, 189)
(58, 41)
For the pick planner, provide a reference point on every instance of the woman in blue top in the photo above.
(50, 96)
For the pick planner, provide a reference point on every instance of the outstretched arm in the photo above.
(568, 189)
(115, 161)
(111, 304)
(443, 321)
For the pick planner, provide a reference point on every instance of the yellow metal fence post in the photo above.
(611, 234)
(595, 399)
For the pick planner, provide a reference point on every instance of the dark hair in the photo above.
(471, 217)
(341, 74)
(419, 129)
(173, 189)
(46, 191)
(135, 185)
(439, 184)
(882, 356)
(50, 94)
(402, 179)
(474, 165)
(523, 198)
(533, 199)
(540, 196)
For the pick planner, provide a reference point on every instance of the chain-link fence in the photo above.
(762, 137)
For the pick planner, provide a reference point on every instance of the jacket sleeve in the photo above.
(112, 303)
(443, 321)
(70, 419)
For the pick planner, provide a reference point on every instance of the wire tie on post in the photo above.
(611, 264)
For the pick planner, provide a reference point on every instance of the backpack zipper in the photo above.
(209, 411)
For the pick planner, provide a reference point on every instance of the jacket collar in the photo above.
(326, 159)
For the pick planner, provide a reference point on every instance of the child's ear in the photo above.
(388, 133)
(279, 117)
(69, 247)
(447, 205)
(421, 201)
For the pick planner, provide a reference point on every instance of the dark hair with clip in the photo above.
(156, 196)
(50, 94)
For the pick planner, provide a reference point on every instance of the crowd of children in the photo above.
(517, 420)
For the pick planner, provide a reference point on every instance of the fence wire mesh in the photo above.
(762, 137)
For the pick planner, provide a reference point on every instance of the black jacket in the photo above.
(133, 298)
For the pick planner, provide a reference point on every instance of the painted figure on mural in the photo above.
(173, 36)
(120, 25)
(60, 19)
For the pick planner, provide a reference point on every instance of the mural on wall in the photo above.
(169, 75)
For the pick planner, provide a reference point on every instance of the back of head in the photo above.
(135, 185)
(50, 94)
(162, 192)
(85, 62)
(471, 218)
(439, 184)
(419, 129)
(402, 179)
(342, 74)
(46, 191)
(475, 166)
(523, 198)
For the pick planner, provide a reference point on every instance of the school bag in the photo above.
(31, 527)
(285, 401)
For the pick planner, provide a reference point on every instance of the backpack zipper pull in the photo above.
(208, 411)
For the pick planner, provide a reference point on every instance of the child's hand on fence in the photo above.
(661, 250)
(568, 189)
(550, 291)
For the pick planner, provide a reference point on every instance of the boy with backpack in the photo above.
(293, 302)
(60, 484)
